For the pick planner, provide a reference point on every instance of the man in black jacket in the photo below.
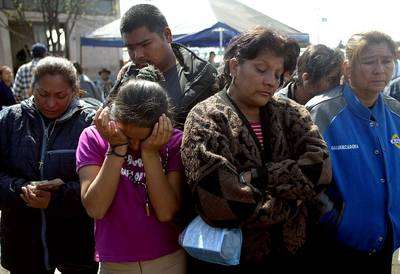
(148, 38)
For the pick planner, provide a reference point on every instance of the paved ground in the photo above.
(395, 266)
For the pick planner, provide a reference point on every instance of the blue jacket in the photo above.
(364, 147)
(62, 234)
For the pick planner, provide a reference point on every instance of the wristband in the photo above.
(118, 145)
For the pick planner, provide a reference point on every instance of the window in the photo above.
(105, 7)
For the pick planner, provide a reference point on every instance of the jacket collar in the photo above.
(29, 107)
(288, 91)
(375, 113)
(192, 66)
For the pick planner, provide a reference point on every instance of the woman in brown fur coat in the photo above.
(254, 161)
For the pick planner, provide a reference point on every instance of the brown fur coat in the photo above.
(219, 144)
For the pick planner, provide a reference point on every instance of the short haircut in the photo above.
(56, 66)
(358, 42)
(143, 15)
(318, 61)
(39, 50)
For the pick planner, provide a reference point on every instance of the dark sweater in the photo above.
(6, 95)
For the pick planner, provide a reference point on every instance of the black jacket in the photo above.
(197, 79)
(61, 235)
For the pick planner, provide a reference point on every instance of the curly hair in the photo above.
(56, 66)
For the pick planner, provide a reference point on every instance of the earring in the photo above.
(233, 78)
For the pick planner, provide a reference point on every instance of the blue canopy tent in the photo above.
(217, 35)
(213, 24)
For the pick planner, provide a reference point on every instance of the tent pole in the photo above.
(80, 52)
(221, 35)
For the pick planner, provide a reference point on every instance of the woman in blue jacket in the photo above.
(361, 126)
(43, 224)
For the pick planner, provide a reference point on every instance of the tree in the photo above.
(59, 18)
(51, 11)
(19, 16)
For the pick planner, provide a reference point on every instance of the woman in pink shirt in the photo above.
(131, 176)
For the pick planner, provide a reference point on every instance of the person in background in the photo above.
(132, 178)
(393, 89)
(319, 69)
(104, 83)
(6, 80)
(188, 79)
(23, 78)
(85, 84)
(211, 59)
(396, 70)
(255, 161)
(23, 56)
(43, 223)
(290, 61)
(362, 129)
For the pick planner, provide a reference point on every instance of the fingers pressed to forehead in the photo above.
(98, 113)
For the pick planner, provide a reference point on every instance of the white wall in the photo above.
(5, 44)
(93, 58)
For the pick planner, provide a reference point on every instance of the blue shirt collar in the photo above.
(355, 105)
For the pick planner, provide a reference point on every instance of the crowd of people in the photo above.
(300, 151)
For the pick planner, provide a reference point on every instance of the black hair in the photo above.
(141, 101)
(293, 51)
(78, 67)
(141, 15)
(318, 61)
(249, 44)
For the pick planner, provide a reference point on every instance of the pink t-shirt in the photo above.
(126, 233)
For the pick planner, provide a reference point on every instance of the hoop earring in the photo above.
(233, 79)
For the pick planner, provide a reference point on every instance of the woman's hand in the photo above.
(34, 197)
(159, 137)
(108, 129)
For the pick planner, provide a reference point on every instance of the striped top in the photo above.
(256, 126)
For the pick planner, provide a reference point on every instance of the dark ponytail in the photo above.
(141, 101)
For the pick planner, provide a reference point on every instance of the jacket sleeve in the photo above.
(309, 172)
(10, 185)
(67, 201)
(221, 199)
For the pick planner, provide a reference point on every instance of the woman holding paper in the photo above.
(43, 224)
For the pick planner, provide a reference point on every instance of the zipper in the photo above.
(42, 212)
(59, 151)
